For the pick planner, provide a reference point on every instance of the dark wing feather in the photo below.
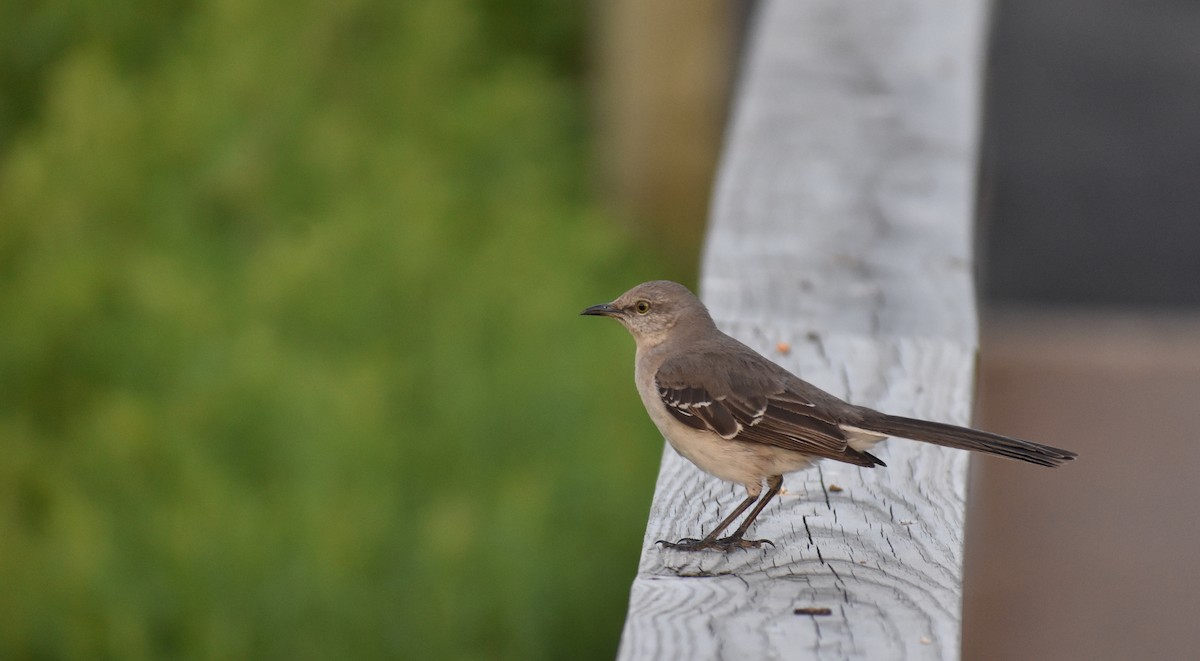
(743, 402)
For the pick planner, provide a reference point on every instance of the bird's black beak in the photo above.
(602, 310)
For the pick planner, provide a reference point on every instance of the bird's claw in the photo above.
(725, 544)
(739, 543)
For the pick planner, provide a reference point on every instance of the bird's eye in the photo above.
(642, 307)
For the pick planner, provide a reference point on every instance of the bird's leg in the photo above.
(774, 485)
(734, 541)
(710, 540)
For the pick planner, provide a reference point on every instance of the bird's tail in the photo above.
(963, 438)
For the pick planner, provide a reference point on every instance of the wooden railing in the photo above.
(839, 245)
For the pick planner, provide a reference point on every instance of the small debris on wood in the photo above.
(835, 488)
(926, 640)
(905, 522)
(783, 348)
(813, 610)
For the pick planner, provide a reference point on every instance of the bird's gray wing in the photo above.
(739, 398)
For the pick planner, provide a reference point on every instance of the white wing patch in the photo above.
(758, 415)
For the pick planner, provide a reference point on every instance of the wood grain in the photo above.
(841, 228)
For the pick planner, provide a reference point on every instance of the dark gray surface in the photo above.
(1091, 188)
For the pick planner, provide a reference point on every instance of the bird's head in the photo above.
(650, 310)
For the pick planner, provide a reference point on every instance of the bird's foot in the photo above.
(725, 544)
(738, 543)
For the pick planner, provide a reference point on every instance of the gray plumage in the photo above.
(741, 417)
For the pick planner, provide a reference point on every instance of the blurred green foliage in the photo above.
(290, 360)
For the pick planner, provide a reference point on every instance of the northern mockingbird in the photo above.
(742, 418)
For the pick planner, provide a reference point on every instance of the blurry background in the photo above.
(290, 357)
(1089, 254)
(290, 365)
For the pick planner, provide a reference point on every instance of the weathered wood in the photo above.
(841, 228)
